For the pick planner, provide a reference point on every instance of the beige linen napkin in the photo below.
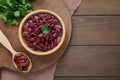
(72, 5)
(46, 74)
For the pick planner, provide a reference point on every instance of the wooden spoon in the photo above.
(5, 42)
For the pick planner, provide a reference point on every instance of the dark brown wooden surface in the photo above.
(96, 30)
(99, 7)
(94, 50)
(90, 61)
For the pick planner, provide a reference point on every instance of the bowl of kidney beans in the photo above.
(42, 32)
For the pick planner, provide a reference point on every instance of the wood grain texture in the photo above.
(39, 62)
(96, 30)
(99, 7)
(90, 61)
(88, 78)
(96, 23)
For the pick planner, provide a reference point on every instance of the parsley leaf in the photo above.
(10, 22)
(17, 13)
(23, 1)
(45, 29)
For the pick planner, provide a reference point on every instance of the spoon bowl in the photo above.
(30, 64)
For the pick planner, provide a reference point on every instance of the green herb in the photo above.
(45, 29)
(17, 13)
(11, 10)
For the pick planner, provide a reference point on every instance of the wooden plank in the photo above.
(99, 7)
(87, 78)
(90, 61)
(96, 30)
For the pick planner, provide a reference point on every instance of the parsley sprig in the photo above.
(45, 29)
(10, 10)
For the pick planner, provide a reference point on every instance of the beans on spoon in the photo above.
(21, 61)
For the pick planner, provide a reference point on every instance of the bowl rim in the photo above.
(38, 52)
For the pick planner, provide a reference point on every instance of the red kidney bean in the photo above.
(20, 68)
(44, 35)
(40, 48)
(51, 46)
(29, 30)
(21, 61)
(35, 25)
(23, 57)
(17, 56)
(40, 35)
(31, 24)
(47, 37)
(48, 46)
(33, 35)
(22, 64)
(50, 38)
(58, 40)
(34, 44)
(46, 43)
(41, 44)
(54, 35)
(25, 27)
(53, 31)
(31, 39)
(57, 30)
(37, 40)
(55, 42)
(30, 45)
(25, 34)
(58, 26)
(51, 25)
(45, 48)
(42, 39)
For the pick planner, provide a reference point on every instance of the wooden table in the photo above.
(94, 50)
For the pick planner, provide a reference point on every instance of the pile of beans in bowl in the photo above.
(42, 32)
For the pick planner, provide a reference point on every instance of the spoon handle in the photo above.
(5, 42)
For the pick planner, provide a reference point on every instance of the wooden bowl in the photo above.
(40, 52)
